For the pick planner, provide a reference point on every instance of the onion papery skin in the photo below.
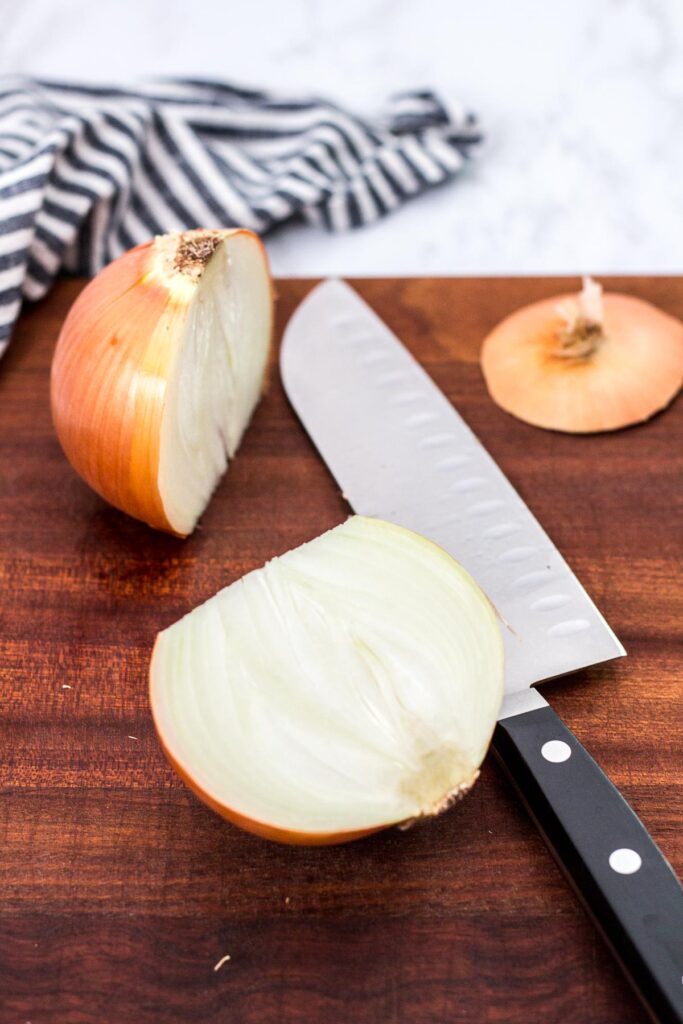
(634, 371)
(116, 355)
(302, 706)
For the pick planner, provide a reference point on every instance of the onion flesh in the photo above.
(216, 380)
(351, 684)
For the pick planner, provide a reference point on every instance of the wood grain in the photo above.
(120, 891)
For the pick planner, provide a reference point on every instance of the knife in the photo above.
(400, 451)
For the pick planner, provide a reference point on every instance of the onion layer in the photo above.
(584, 363)
(351, 684)
(157, 370)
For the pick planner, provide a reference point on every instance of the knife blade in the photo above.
(400, 451)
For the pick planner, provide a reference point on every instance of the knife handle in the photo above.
(623, 879)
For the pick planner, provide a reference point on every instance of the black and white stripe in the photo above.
(86, 172)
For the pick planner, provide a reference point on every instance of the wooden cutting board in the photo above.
(120, 891)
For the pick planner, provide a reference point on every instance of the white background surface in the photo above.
(581, 101)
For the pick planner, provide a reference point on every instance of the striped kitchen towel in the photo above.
(86, 172)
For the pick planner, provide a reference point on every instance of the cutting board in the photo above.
(120, 892)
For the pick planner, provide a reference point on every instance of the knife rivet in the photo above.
(625, 861)
(556, 751)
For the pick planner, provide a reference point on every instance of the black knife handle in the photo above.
(622, 877)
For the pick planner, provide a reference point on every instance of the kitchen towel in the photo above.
(86, 172)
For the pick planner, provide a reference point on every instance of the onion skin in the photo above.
(111, 367)
(634, 370)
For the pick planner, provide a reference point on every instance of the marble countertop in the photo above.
(581, 101)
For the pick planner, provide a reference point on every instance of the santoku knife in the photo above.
(400, 451)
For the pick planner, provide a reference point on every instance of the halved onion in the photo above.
(584, 363)
(351, 684)
(158, 368)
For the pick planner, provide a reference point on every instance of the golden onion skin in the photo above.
(634, 370)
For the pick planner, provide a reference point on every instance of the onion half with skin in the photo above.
(158, 368)
(349, 685)
(586, 363)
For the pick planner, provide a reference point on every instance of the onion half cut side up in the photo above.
(584, 363)
(349, 685)
(158, 368)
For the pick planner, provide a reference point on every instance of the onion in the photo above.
(585, 364)
(158, 368)
(349, 685)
